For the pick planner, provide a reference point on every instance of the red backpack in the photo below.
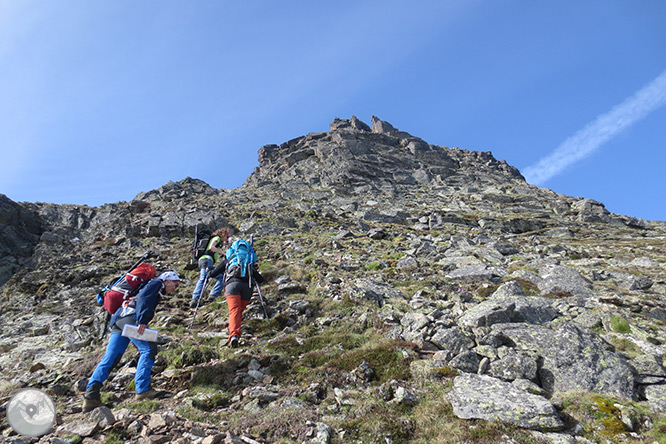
(127, 287)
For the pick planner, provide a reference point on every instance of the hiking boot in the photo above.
(212, 298)
(233, 342)
(148, 394)
(193, 303)
(90, 404)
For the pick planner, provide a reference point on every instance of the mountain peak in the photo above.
(355, 157)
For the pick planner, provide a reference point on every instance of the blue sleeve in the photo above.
(147, 300)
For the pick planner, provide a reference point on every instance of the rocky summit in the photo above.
(414, 294)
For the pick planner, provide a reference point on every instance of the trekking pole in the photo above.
(205, 284)
(263, 304)
(249, 281)
(145, 256)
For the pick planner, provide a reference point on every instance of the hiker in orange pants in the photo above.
(236, 307)
(238, 293)
(237, 290)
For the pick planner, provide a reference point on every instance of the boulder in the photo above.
(485, 397)
(572, 358)
(558, 278)
(509, 304)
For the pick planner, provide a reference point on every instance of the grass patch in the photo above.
(625, 345)
(375, 421)
(144, 407)
(212, 402)
(485, 291)
(385, 358)
(275, 425)
(373, 266)
(189, 353)
(194, 414)
(619, 324)
(434, 421)
(336, 349)
(117, 436)
(600, 415)
(558, 294)
(658, 433)
(529, 288)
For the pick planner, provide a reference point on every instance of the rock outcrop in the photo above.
(20, 230)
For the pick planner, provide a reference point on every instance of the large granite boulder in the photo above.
(572, 358)
(485, 397)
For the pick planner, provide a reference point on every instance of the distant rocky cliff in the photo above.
(416, 293)
(20, 230)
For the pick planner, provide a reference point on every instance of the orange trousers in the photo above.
(236, 307)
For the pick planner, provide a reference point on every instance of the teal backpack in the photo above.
(240, 260)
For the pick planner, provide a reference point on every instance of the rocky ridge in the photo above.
(416, 293)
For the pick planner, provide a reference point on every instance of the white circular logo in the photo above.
(31, 412)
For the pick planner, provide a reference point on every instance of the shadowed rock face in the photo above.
(19, 234)
(465, 275)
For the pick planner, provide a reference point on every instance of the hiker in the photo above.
(237, 290)
(206, 262)
(134, 312)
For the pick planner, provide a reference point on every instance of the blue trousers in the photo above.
(204, 264)
(114, 351)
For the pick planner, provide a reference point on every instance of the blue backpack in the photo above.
(240, 260)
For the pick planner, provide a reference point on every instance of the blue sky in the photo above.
(101, 100)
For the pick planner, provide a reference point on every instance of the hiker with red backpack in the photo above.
(135, 312)
(207, 257)
(240, 274)
(125, 287)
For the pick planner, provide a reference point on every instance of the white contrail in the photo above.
(586, 140)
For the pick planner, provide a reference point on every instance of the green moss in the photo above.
(619, 324)
(373, 266)
(609, 416)
(600, 415)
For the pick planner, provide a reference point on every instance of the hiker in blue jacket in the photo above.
(137, 312)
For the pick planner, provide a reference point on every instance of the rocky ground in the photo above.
(415, 294)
